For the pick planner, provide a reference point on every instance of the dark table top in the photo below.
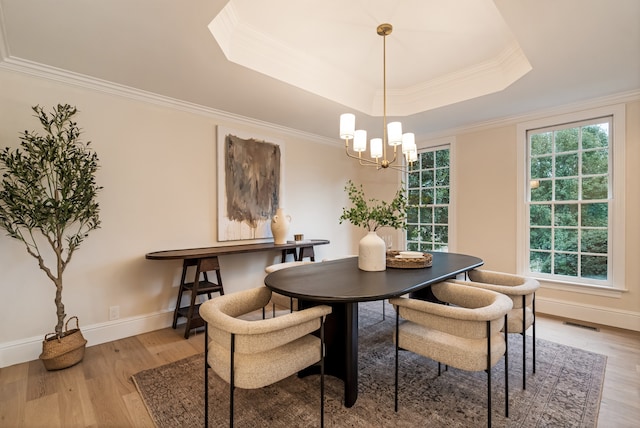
(342, 281)
(201, 253)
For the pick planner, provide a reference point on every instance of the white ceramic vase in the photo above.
(372, 253)
(280, 226)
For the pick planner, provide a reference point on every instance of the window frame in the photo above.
(616, 281)
(435, 145)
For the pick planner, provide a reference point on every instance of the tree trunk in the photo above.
(59, 306)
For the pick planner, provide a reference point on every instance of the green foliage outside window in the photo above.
(428, 190)
(569, 203)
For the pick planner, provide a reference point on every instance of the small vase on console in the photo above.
(372, 253)
(280, 226)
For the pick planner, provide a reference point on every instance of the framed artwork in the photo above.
(250, 184)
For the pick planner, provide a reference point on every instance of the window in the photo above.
(428, 193)
(570, 207)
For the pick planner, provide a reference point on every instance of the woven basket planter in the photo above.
(60, 352)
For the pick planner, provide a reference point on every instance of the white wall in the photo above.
(158, 169)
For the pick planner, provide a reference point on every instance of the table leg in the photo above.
(341, 344)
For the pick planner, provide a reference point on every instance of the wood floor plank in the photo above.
(43, 412)
(98, 392)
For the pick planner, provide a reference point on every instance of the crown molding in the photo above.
(619, 98)
(87, 82)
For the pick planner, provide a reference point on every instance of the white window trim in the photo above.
(618, 130)
(433, 145)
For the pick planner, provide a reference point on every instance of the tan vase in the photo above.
(280, 226)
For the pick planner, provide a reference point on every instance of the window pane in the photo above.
(566, 215)
(441, 215)
(426, 233)
(442, 158)
(567, 165)
(412, 214)
(595, 188)
(567, 190)
(426, 215)
(594, 241)
(541, 167)
(595, 215)
(426, 160)
(565, 264)
(540, 215)
(414, 197)
(413, 232)
(441, 234)
(542, 192)
(442, 177)
(594, 267)
(594, 136)
(414, 180)
(540, 262)
(566, 240)
(541, 143)
(566, 140)
(442, 195)
(540, 238)
(427, 197)
(427, 178)
(595, 162)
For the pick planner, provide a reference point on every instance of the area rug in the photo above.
(564, 392)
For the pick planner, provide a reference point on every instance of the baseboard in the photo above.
(628, 320)
(29, 349)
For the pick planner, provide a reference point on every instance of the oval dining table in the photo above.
(340, 284)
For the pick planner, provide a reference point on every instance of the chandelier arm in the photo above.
(363, 161)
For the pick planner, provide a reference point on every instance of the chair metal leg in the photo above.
(489, 374)
(533, 308)
(397, 348)
(524, 342)
(506, 367)
(231, 379)
(206, 375)
(322, 372)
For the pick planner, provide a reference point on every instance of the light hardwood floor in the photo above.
(99, 392)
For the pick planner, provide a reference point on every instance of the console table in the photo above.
(205, 260)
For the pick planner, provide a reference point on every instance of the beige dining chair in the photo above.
(464, 331)
(253, 354)
(522, 291)
(278, 299)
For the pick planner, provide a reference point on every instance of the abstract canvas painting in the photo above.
(250, 177)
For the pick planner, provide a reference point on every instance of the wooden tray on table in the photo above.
(394, 260)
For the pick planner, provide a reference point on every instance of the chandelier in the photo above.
(391, 133)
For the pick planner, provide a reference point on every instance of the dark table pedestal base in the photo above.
(341, 344)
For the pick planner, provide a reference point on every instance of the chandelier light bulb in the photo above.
(376, 148)
(360, 141)
(347, 126)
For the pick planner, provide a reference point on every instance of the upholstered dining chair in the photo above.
(253, 354)
(278, 299)
(522, 291)
(464, 331)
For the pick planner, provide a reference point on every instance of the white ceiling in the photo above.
(449, 64)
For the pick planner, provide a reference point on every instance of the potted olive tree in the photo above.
(373, 214)
(48, 202)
